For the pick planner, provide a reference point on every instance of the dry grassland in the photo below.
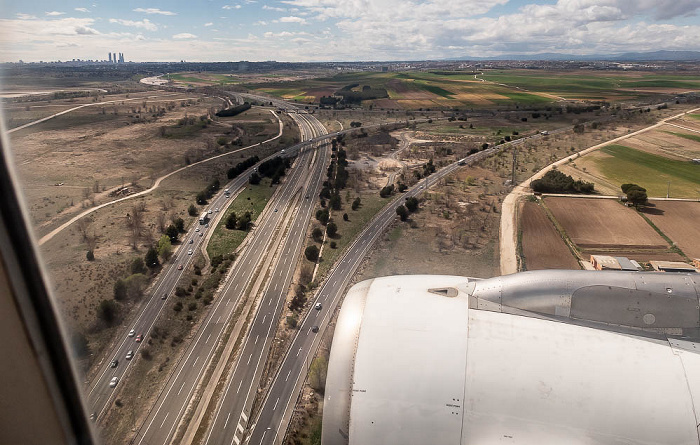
(680, 221)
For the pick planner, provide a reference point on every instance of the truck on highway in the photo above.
(204, 218)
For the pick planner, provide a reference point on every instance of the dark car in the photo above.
(314, 329)
(114, 363)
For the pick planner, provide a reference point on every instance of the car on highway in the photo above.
(130, 355)
(197, 229)
(179, 267)
(275, 210)
(114, 363)
(314, 329)
(209, 212)
(201, 234)
(189, 252)
(206, 226)
(165, 296)
(191, 241)
(139, 338)
(113, 382)
(318, 306)
(216, 210)
(132, 333)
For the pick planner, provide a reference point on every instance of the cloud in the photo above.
(25, 16)
(273, 8)
(144, 24)
(82, 9)
(291, 19)
(209, 24)
(231, 7)
(184, 35)
(154, 11)
(54, 13)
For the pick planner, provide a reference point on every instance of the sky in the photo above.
(339, 30)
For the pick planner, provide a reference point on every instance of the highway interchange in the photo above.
(262, 272)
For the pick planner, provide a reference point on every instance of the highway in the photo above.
(162, 421)
(99, 392)
(234, 407)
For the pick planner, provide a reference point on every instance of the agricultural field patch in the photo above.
(542, 246)
(679, 221)
(603, 224)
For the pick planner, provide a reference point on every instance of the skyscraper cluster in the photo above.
(116, 58)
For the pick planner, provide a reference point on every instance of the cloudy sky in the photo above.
(326, 30)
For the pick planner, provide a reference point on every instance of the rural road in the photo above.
(155, 185)
(509, 223)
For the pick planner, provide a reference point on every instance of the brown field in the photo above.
(603, 223)
(662, 142)
(542, 247)
(680, 221)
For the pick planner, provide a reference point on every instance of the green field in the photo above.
(627, 165)
(694, 116)
(253, 199)
(692, 137)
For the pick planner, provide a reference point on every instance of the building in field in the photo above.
(606, 262)
(672, 266)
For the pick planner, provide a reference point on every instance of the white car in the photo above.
(197, 229)
(113, 382)
(216, 210)
(132, 333)
(209, 212)
(130, 355)
(318, 306)
(189, 252)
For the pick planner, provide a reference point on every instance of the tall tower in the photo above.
(110, 57)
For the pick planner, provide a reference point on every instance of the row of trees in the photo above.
(555, 181)
(233, 111)
(233, 172)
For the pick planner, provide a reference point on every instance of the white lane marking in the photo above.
(239, 386)
(287, 378)
(164, 419)
(195, 361)
(264, 318)
(239, 427)
(218, 320)
(183, 385)
(227, 416)
(298, 352)
(256, 339)
(251, 356)
(207, 340)
(276, 402)
(244, 417)
(236, 440)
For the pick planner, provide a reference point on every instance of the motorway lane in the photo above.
(234, 407)
(271, 423)
(160, 424)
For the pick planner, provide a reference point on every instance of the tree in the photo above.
(151, 258)
(165, 247)
(637, 196)
(346, 217)
(172, 233)
(201, 198)
(311, 253)
(90, 256)
(335, 201)
(412, 204)
(135, 285)
(254, 179)
(120, 289)
(179, 224)
(231, 221)
(244, 223)
(137, 266)
(317, 234)
(331, 229)
(107, 311)
(402, 212)
(356, 203)
(386, 191)
(192, 211)
(322, 215)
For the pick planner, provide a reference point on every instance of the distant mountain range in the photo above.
(652, 56)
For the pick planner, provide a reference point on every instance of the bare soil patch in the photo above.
(601, 223)
(542, 246)
(680, 222)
